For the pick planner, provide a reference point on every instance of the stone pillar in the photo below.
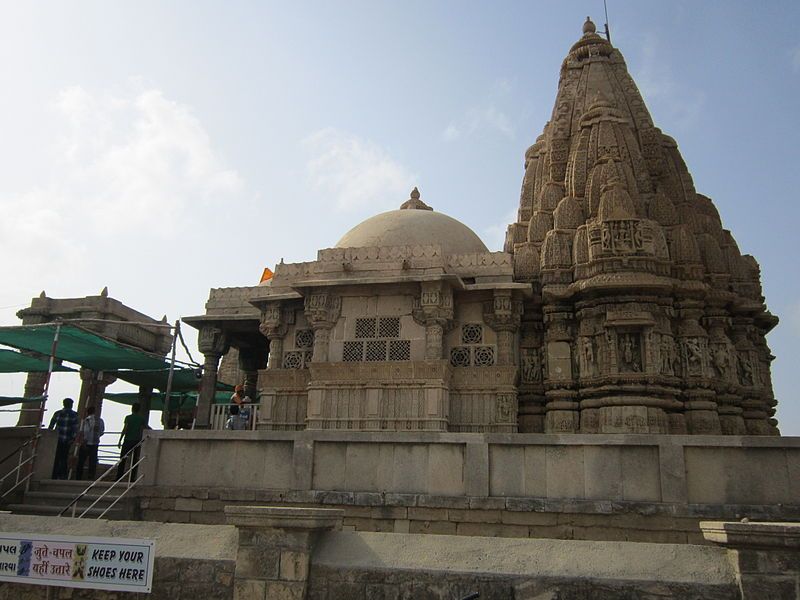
(322, 310)
(93, 388)
(145, 402)
(251, 360)
(275, 547)
(34, 386)
(563, 414)
(434, 334)
(273, 326)
(212, 343)
(434, 311)
(723, 368)
(766, 556)
(702, 415)
(503, 314)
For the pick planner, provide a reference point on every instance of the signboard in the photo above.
(118, 564)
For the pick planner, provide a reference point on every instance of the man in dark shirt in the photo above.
(65, 422)
(129, 437)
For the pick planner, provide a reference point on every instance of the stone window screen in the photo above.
(389, 327)
(366, 328)
(380, 343)
(400, 350)
(353, 351)
(460, 356)
(304, 338)
(376, 350)
(293, 360)
(307, 355)
(483, 356)
(471, 333)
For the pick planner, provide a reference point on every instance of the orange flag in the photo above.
(266, 275)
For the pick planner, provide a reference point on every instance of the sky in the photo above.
(164, 148)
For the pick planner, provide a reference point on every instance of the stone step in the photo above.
(64, 498)
(115, 513)
(71, 486)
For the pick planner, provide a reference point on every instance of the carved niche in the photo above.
(629, 352)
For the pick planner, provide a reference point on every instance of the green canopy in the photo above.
(183, 401)
(79, 346)
(183, 379)
(14, 362)
(9, 400)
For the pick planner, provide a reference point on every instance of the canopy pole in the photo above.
(46, 395)
(175, 335)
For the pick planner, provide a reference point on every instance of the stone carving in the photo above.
(721, 360)
(668, 355)
(630, 352)
(505, 408)
(745, 369)
(531, 365)
(212, 340)
(694, 356)
(588, 364)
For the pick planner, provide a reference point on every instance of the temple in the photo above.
(619, 303)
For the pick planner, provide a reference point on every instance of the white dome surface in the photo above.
(413, 227)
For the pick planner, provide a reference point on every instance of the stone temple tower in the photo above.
(645, 317)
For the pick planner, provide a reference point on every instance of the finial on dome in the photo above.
(104, 292)
(414, 202)
(588, 26)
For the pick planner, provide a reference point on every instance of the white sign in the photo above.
(80, 562)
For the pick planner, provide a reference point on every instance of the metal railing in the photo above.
(16, 472)
(135, 462)
(221, 412)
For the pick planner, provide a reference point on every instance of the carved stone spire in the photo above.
(637, 267)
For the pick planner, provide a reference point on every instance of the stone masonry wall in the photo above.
(608, 487)
(469, 516)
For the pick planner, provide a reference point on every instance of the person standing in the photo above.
(129, 437)
(65, 422)
(91, 431)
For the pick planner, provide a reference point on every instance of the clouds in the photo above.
(485, 119)
(479, 121)
(354, 172)
(134, 160)
(664, 94)
(795, 59)
(123, 171)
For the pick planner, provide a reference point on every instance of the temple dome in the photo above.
(415, 223)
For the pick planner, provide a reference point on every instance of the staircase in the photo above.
(50, 496)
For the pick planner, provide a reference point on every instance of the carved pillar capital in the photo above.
(433, 309)
(212, 340)
(322, 309)
(504, 314)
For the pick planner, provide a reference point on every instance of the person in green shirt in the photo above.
(129, 437)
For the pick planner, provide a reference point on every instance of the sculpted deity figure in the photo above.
(589, 364)
(721, 360)
(667, 355)
(630, 358)
(694, 356)
(531, 365)
(745, 369)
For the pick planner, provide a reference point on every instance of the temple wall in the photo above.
(613, 487)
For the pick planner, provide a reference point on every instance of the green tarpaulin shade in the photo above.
(9, 400)
(183, 379)
(14, 362)
(184, 401)
(79, 346)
